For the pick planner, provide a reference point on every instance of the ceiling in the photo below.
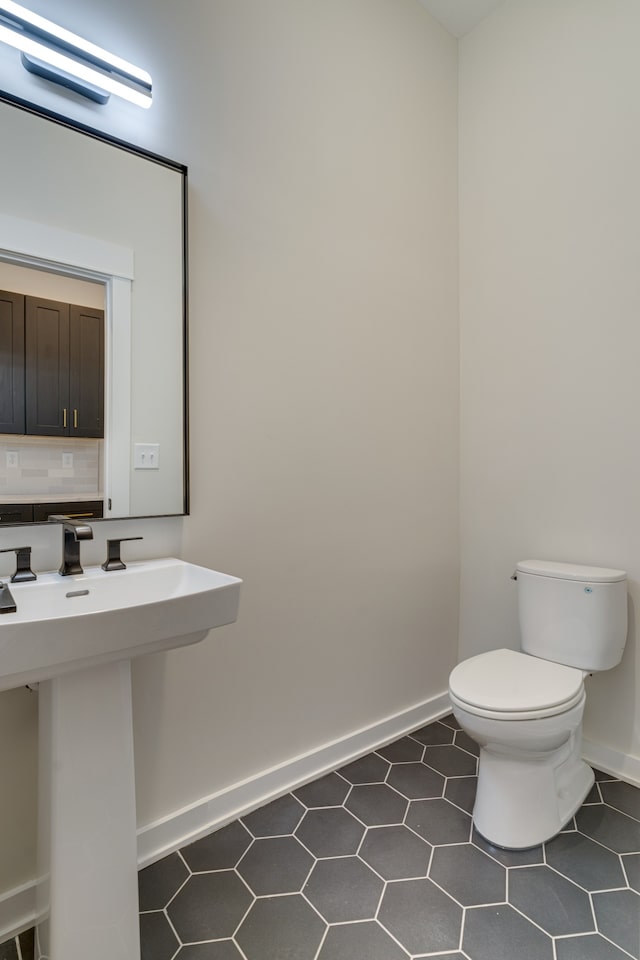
(460, 16)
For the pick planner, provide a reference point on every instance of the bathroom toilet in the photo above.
(525, 709)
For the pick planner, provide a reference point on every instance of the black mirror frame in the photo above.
(180, 168)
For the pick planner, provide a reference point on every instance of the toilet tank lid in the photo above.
(570, 571)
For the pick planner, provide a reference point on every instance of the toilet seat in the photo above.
(508, 685)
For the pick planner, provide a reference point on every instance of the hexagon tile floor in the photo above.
(379, 861)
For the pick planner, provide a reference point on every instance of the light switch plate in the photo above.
(146, 456)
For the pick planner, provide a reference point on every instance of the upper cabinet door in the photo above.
(47, 367)
(11, 363)
(86, 372)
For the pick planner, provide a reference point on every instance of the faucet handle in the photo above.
(23, 564)
(113, 561)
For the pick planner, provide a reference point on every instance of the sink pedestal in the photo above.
(87, 817)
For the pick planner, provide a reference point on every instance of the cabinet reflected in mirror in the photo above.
(92, 324)
(52, 348)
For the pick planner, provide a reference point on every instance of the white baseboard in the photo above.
(17, 910)
(162, 837)
(611, 761)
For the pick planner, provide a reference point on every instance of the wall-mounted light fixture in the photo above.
(56, 54)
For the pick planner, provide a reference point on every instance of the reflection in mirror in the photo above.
(51, 395)
(92, 325)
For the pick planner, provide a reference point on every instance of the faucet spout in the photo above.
(73, 531)
(7, 603)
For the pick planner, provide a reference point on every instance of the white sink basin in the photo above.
(70, 623)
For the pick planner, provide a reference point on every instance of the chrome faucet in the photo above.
(73, 532)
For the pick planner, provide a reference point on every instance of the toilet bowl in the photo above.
(524, 709)
(525, 714)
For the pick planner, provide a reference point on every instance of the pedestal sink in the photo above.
(77, 636)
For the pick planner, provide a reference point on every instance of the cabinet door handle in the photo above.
(64, 417)
(75, 419)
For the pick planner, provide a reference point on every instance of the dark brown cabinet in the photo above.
(16, 513)
(64, 374)
(11, 363)
(40, 512)
(83, 510)
(51, 368)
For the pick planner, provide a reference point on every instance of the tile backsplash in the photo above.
(39, 466)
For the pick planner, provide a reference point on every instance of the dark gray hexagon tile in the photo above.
(157, 939)
(609, 827)
(438, 821)
(468, 875)
(500, 933)
(405, 750)
(618, 917)
(376, 803)
(279, 927)
(221, 950)
(395, 853)
(158, 883)
(450, 721)
(434, 733)
(344, 889)
(276, 819)
(601, 775)
(462, 792)
(594, 795)
(218, 851)
(623, 797)
(416, 781)
(329, 791)
(631, 864)
(550, 900)
(209, 906)
(508, 858)
(420, 916)
(585, 862)
(569, 826)
(27, 944)
(590, 947)
(275, 865)
(369, 769)
(330, 832)
(360, 941)
(464, 741)
(450, 761)
(8, 950)
(445, 956)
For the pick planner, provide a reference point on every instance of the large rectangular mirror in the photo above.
(93, 410)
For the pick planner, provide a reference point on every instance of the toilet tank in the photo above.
(572, 614)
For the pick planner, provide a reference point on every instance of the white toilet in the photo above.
(525, 709)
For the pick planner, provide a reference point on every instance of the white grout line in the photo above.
(320, 945)
(537, 925)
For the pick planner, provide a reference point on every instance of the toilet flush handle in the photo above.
(514, 575)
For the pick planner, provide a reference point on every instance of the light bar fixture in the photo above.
(58, 55)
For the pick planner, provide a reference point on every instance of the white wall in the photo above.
(550, 299)
(321, 142)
